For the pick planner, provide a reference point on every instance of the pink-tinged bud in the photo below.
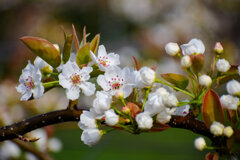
(119, 95)
(218, 48)
(126, 110)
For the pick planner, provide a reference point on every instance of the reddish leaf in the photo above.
(136, 62)
(134, 109)
(157, 127)
(177, 80)
(75, 37)
(94, 43)
(43, 49)
(197, 62)
(212, 109)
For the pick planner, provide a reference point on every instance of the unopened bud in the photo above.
(200, 143)
(172, 48)
(119, 95)
(186, 62)
(126, 110)
(228, 131)
(218, 48)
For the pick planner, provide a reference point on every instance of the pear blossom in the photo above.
(54, 145)
(145, 77)
(200, 143)
(42, 65)
(172, 48)
(171, 100)
(218, 48)
(73, 79)
(228, 131)
(205, 80)
(186, 61)
(30, 82)
(144, 120)
(105, 60)
(233, 87)
(195, 46)
(116, 80)
(182, 110)
(111, 118)
(229, 102)
(72, 58)
(87, 120)
(165, 115)
(223, 65)
(102, 102)
(9, 150)
(91, 136)
(216, 128)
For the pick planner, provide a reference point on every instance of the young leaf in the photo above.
(94, 43)
(43, 49)
(177, 80)
(212, 109)
(232, 73)
(75, 37)
(197, 62)
(67, 48)
(83, 55)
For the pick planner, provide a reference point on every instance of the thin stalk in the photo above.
(145, 98)
(51, 84)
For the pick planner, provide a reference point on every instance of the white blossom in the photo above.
(91, 137)
(87, 120)
(111, 118)
(73, 79)
(30, 82)
(229, 102)
(216, 128)
(144, 120)
(223, 65)
(172, 48)
(205, 80)
(233, 87)
(200, 143)
(186, 61)
(42, 65)
(195, 46)
(102, 102)
(165, 115)
(116, 79)
(145, 77)
(105, 60)
(182, 110)
(54, 145)
(171, 101)
(9, 150)
(228, 131)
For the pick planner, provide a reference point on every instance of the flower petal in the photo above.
(102, 51)
(38, 91)
(87, 88)
(73, 93)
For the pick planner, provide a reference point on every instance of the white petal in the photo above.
(94, 58)
(103, 83)
(38, 91)
(21, 88)
(127, 90)
(102, 51)
(73, 93)
(26, 96)
(199, 45)
(114, 59)
(65, 82)
(87, 88)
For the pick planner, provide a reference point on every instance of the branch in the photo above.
(72, 114)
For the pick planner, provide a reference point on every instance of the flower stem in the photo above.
(145, 98)
(51, 84)
(122, 100)
(125, 127)
(176, 88)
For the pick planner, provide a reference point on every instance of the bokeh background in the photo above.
(139, 28)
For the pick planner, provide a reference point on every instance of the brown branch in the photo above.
(72, 114)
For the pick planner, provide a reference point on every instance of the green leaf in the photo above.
(94, 43)
(232, 73)
(83, 55)
(177, 80)
(67, 48)
(212, 109)
(43, 49)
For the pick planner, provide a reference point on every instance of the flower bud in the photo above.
(233, 87)
(126, 110)
(216, 128)
(205, 80)
(186, 62)
(218, 48)
(148, 76)
(172, 49)
(144, 120)
(111, 118)
(228, 131)
(229, 102)
(119, 94)
(200, 143)
(223, 65)
(90, 137)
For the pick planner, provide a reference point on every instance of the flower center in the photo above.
(104, 61)
(29, 84)
(76, 79)
(116, 83)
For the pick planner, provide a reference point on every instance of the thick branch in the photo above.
(72, 114)
(39, 121)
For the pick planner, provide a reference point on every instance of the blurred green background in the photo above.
(128, 27)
